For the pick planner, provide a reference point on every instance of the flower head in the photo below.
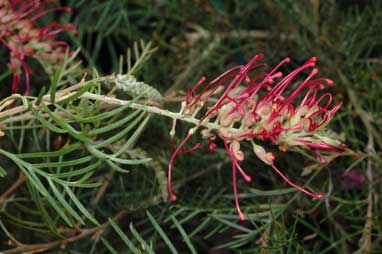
(23, 39)
(244, 104)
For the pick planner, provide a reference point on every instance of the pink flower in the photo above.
(354, 179)
(244, 104)
(23, 39)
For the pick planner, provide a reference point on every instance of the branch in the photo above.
(41, 247)
(366, 240)
(20, 180)
(59, 96)
(158, 111)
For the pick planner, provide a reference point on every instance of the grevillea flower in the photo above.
(248, 104)
(23, 39)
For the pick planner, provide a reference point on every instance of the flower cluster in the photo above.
(244, 104)
(23, 39)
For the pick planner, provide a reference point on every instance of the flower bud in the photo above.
(260, 152)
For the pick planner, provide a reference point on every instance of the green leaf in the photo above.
(104, 15)
(5, 74)
(79, 185)
(46, 123)
(124, 237)
(76, 134)
(105, 156)
(77, 172)
(40, 95)
(2, 172)
(29, 172)
(117, 168)
(65, 204)
(59, 210)
(130, 162)
(119, 135)
(40, 206)
(80, 206)
(232, 224)
(61, 152)
(80, 182)
(7, 233)
(78, 93)
(132, 138)
(108, 246)
(184, 235)
(53, 85)
(143, 243)
(95, 118)
(115, 125)
(67, 163)
(162, 233)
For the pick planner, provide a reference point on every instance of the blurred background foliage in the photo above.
(196, 38)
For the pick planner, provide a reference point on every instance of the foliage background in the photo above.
(196, 38)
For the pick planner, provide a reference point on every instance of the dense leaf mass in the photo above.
(106, 93)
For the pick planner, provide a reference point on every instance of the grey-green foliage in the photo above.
(89, 132)
(126, 81)
(53, 175)
(345, 38)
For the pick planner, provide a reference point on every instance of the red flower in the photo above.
(244, 105)
(19, 34)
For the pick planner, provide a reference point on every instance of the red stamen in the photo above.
(330, 99)
(284, 61)
(43, 13)
(313, 88)
(192, 90)
(314, 195)
(194, 148)
(301, 86)
(335, 109)
(317, 155)
(282, 85)
(238, 210)
(169, 175)
(313, 125)
(233, 84)
(321, 146)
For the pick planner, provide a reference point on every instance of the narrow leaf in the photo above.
(80, 206)
(53, 85)
(184, 235)
(108, 246)
(143, 243)
(60, 152)
(161, 233)
(63, 202)
(124, 237)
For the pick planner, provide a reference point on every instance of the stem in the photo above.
(156, 110)
(20, 180)
(66, 93)
(286, 179)
(59, 96)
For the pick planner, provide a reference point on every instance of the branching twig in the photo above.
(20, 180)
(59, 96)
(41, 247)
(103, 188)
(366, 241)
(157, 111)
